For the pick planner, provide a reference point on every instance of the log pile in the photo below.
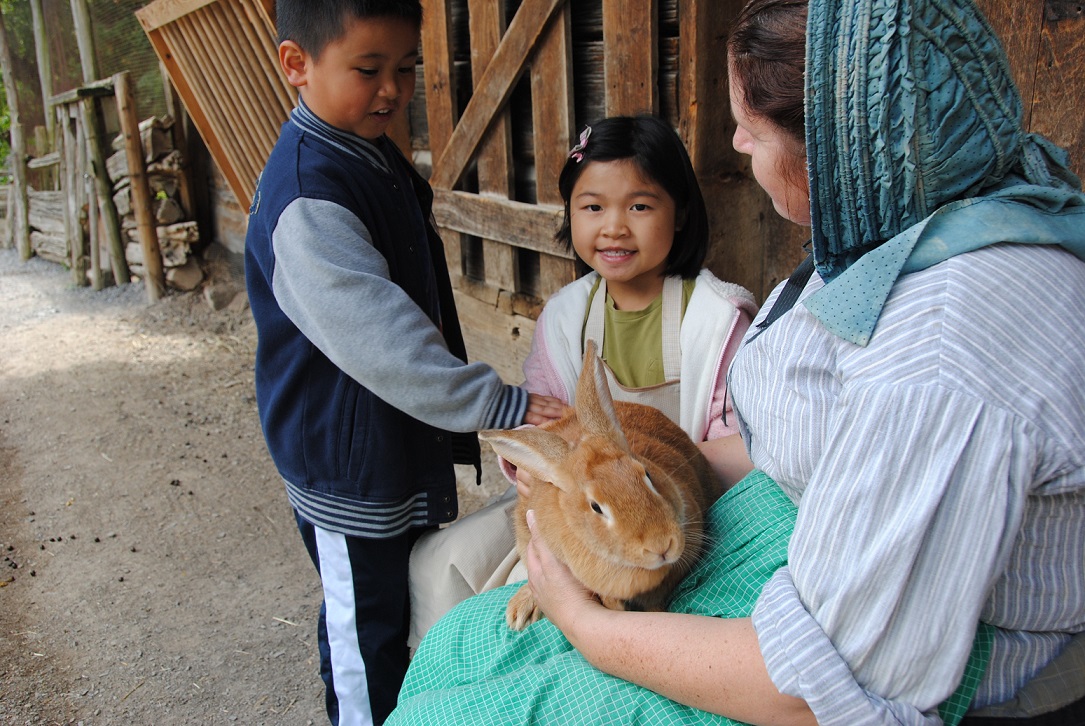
(178, 235)
(48, 238)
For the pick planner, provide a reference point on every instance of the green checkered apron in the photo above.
(471, 669)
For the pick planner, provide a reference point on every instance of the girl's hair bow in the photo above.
(577, 152)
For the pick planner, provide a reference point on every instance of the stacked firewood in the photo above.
(178, 234)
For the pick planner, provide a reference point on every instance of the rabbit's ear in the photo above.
(537, 451)
(594, 404)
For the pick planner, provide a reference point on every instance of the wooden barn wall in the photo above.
(503, 88)
(1045, 44)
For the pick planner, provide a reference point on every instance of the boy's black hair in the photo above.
(658, 151)
(313, 24)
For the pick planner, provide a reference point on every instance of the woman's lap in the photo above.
(472, 669)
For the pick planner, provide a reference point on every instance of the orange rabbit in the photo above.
(623, 500)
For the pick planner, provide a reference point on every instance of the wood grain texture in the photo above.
(492, 90)
(529, 226)
(631, 60)
(437, 67)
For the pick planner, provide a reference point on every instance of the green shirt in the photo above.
(633, 340)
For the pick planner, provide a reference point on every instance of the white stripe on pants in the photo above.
(348, 669)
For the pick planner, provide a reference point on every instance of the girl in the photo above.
(927, 425)
(667, 329)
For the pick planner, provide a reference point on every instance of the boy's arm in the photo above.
(335, 287)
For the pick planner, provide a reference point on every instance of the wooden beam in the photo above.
(631, 56)
(45, 66)
(437, 69)
(503, 220)
(552, 105)
(494, 160)
(20, 215)
(93, 89)
(493, 89)
(164, 12)
(84, 37)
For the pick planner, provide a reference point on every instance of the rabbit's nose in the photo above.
(669, 551)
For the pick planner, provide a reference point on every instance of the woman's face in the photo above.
(777, 159)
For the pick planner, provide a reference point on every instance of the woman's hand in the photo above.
(561, 597)
(541, 409)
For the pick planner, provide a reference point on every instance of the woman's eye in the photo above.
(593, 208)
(407, 70)
(640, 207)
(367, 71)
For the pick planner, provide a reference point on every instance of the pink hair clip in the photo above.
(577, 152)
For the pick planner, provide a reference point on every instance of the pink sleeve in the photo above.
(720, 410)
(540, 377)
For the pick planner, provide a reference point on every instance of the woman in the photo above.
(921, 403)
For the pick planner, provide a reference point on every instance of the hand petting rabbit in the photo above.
(620, 496)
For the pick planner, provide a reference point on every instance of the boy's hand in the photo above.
(524, 482)
(541, 409)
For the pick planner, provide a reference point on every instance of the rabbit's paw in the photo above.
(522, 610)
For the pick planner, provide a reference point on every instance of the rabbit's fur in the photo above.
(620, 496)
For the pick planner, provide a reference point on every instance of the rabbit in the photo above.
(620, 496)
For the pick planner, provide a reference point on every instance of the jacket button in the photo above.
(440, 438)
(448, 514)
(446, 499)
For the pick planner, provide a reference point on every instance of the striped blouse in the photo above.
(940, 476)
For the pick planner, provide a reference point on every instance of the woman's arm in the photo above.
(728, 458)
(713, 664)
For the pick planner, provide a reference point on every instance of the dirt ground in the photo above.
(151, 571)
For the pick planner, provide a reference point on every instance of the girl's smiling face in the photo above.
(778, 160)
(623, 226)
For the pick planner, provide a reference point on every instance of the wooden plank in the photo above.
(259, 29)
(1019, 24)
(220, 118)
(494, 158)
(495, 337)
(554, 274)
(493, 89)
(164, 12)
(1056, 111)
(93, 89)
(514, 223)
(631, 60)
(234, 115)
(222, 53)
(552, 105)
(197, 113)
(437, 67)
(272, 106)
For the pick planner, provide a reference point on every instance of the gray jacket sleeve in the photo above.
(334, 286)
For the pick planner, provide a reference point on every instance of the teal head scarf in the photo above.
(916, 152)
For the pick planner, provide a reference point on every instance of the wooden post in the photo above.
(20, 218)
(96, 282)
(153, 276)
(83, 167)
(45, 69)
(88, 58)
(92, 122)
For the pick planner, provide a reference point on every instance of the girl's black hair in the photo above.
(312, 24)
(658, 151)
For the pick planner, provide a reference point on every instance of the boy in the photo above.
(360, 366)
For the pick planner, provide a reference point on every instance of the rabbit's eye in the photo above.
(596, 508)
